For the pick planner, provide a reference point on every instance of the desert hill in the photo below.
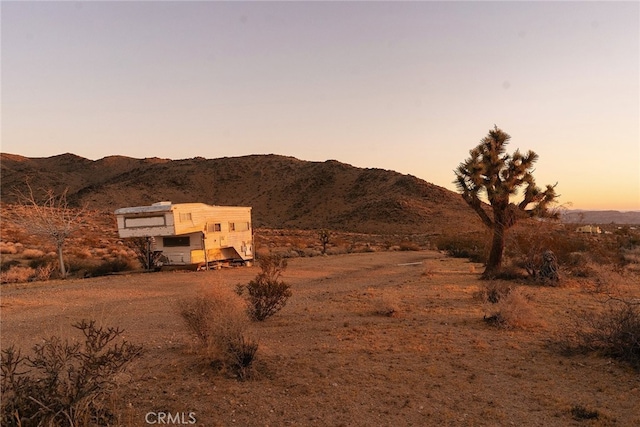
(601, 217)
(284, 192)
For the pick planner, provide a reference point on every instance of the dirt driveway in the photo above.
(329, 358)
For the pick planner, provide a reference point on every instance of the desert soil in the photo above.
(331, 358)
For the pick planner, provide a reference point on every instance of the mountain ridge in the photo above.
(285, 192)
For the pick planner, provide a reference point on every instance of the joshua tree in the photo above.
(324, 235)
(490, 172)
(51, 218)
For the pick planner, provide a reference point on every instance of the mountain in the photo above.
(601, 217)
(284, 192)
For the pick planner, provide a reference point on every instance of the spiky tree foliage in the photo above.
(492, 173)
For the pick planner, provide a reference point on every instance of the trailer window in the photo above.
(175, 241)
(216, 227)
(232, 226)
(185, 216)
(149, 221)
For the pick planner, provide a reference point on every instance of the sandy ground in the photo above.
(330, 359)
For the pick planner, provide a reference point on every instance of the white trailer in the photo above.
(191, 233)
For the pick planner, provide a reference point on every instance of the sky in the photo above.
(405, 86)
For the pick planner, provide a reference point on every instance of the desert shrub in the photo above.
(219, 321)
(32, 253)
(615, 332)
(580, 412)
(267, 294)
(6, 265)
(511, 311)
(337, 250)
(42, 261)
(511, 272)
(241, 353)
(94, 268)
(493, 291)
(140, 246)
(583, 271)
(113, 265)
(471, 246)
(44, 272)
(64, 383)
(80, 252)
(386, 306)
(17, 274)
(8, 248)
(528, 243)
(408, 245)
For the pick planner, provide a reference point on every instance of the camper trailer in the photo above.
(192, 234)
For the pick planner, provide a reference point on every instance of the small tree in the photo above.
(51, 218)
(491, 172)
(266, 294)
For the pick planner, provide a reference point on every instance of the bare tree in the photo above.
(490, 172)
(51, 217)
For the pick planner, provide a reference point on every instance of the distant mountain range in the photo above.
(601, 217)
(284, 192)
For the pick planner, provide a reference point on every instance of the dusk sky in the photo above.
(406, 86)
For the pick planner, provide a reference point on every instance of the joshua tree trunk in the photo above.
(494, 263)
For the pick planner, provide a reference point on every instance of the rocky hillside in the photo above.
(284, 192)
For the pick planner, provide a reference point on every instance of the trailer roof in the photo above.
(143, 209)
(167, 207)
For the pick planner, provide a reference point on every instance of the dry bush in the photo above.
(511, 272)
(64, 383)
(8, 248)
(470, 245)
(267, 294)
(527, 244)
(17, 274)
(94, 268)
(615, 332)
(219, 321)
(493, 291)
(579, 412)
(309, 252)
(6, 265)
(44, 272)
(32, 253)
(385, 305)
(337, 250)
(408, 245)
(82, 253)
(512, 310)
